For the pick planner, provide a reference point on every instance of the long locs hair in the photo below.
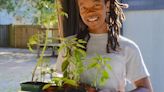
(114, 20)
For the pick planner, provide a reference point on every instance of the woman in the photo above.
(102, 20)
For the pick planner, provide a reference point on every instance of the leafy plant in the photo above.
(75, 56)
(40, 61)
(101, 65)
(50, 10)
(47, 12)
(73, 64)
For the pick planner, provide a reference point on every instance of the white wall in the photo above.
(146, 28)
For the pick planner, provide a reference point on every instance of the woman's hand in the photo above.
(91, 89)
(88, 88)
(140, 90)
(143, 85)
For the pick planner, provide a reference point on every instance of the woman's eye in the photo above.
(97, 5)
(83, 8)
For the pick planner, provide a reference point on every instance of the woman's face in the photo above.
(93, 12)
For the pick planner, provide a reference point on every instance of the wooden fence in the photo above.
(20, 34)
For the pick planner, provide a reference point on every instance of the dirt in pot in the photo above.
(69, 88)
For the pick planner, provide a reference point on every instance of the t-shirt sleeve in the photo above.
(135, 66)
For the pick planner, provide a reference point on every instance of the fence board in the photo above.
(21, 34)
(4, 35)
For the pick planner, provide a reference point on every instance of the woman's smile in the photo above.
(92, 18)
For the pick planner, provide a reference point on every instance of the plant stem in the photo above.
(39, 61)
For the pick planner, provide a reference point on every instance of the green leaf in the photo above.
(92, 65)
(71, 82)
(65, 65)
(109, 66)
(56, 79)
(46, 86)
(106, 59)
(61, 48)
(102, 81)
(33, 41)
(105, 74)
(82, 52)
(79, 45)
(64, 14)
(81, 41)
(81, 70)
(77, 57)
(29, 47)
(65, 74)
(73, 39)
(103, 78)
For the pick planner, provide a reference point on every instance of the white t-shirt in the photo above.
(127, 64)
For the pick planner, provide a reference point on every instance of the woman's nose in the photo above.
(90, 9)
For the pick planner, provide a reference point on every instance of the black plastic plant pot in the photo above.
(32, 86)
(37, 87)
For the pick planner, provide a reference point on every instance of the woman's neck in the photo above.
(100, 30)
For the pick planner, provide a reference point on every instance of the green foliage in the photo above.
(73, 63)
(47, 12)
(69, 81)
(74, 59)
(60, 81)
(57, 80)
(102, 66)
(10, 5)
(7, 4)
(46, 86)
(40, 60)
(32, 41)
(74, 56)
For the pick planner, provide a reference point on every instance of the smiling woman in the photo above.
(99, 23)
(93, 14)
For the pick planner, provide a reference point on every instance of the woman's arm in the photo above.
(143, 85)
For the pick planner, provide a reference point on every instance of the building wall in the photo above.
(146, 28)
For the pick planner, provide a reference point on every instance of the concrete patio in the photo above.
(16, 66)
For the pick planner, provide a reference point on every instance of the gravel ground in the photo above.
(15, 67)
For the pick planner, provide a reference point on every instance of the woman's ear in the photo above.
(107, 6)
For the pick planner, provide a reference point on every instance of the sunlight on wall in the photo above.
(146, 28)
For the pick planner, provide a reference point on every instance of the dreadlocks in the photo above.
(114, 20)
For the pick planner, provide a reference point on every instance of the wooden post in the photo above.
(60, 19)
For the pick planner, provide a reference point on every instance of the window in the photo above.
(144, 4)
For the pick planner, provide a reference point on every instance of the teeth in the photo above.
(91, 19)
